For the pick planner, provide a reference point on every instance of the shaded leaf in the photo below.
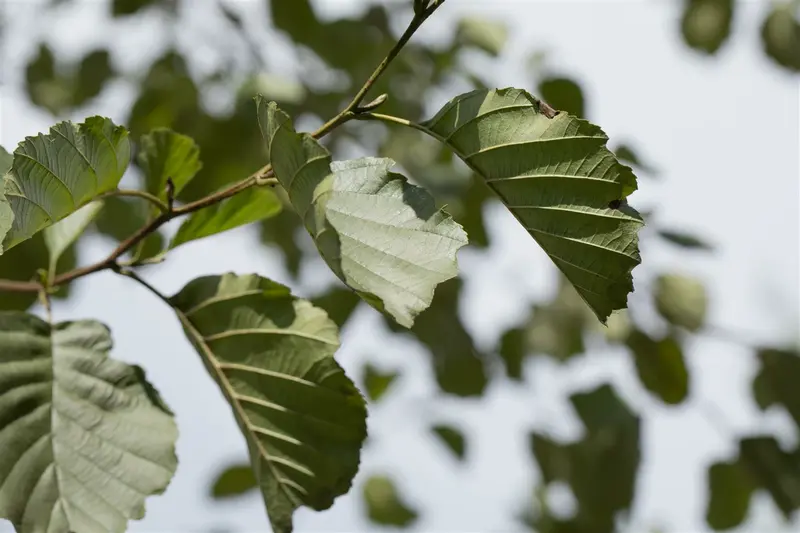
(339, 303)
(384, 504)
(272, 356)
(626, 154)
(681, 300)
(163, 155)
(376, 382)
(64, 233)
(685, 240)
(56, 174)
(661, 366)
(22, 263)
(232, 481)
(774, 469)
(122, 8)
(557, 177)
(777, 381)
(487, 35)
(513, 349)
(452, 438)
(248, 206)
(281, 232)
(780, 35)
(563, 94)
(380, 235)
(45, 87)
(730, 487)
(85, 438)
(93, 73)
(706, 24)
(122, 217)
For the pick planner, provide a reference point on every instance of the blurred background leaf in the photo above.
(384, 504)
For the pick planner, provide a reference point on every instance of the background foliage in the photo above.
(601, 468)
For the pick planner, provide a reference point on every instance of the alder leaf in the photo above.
(167, 155)
(555, 174)
(84, 438)
(272, 356)
(54, 175)
(64, 233)
(382, 236)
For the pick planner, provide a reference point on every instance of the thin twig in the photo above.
(153, 199)
(128, 273)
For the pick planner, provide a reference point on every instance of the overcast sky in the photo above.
(725, 134)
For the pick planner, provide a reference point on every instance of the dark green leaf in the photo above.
(94, 72)
(282, 232)
(248, 206)
(563, 94)
(706, 24)
(682, 300)
(452, 438)
(557, 177)
(339, 303)
(773, 469)
(626, 154)
(685, 240)
(778, 381)
(780, 35)
(376, 382)
(85, 438)
(661, 366)
(730, 487)
(513, 349)
(384, 504)
(122, 8)
(233, 481)
(272, 356)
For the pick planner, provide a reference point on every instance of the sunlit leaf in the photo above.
(56, 174)
(384, 504)
(377, 382)
(233, 481)
(556, 176)
(682, 300)
(167, 155)
(85, 438)
(272, 356)
(661, 366)
(246, 207)
(706, 24)
(380, 235)
(453, 438)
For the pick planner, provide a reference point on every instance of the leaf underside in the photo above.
(84, 439)
(555, 174)
(382, 236)
(272, 356)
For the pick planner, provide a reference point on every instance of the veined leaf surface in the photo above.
(555, 174)
(84, 438)
(382, 236)
(272, 356)
(54, 175)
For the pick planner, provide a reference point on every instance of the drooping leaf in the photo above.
(380, 235)
(54, 175)
(685, 240)
(557, 177)
(661, 366)
(23, 263)
(377, 382)
(706, 24)
(85, 438)
(780, 35)
(482, 33)
(248, 206)
(453, 438)
(232, 481)
(272, 356)
(777, 381)
(65, 232)
(563, 94)
(339, 303)
(165, 154)
(682, 300)
(385, 505)
(730, 487)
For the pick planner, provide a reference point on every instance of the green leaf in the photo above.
(627, 154)
(730, 487)
(250, 205)
(6, 213)
(64, 233)
(380, 235)
(777, 381)
(681, 300)
(55, 175)
(452, 438)
(23, 263)
(122, 8)
(774, 469)
(165, 155)
(233, 481)
(661, 366)
(513, 350)
(272, 356)
(780, 35)
(85, 438)
(487, 35)
(556, 176)
(384, 504)
(122, 217)
(339, 303)
(685, 240)
(376, 382)
(706, 24)
(563, 94)
(93, 73)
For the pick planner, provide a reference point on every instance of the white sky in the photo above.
(725, 134)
